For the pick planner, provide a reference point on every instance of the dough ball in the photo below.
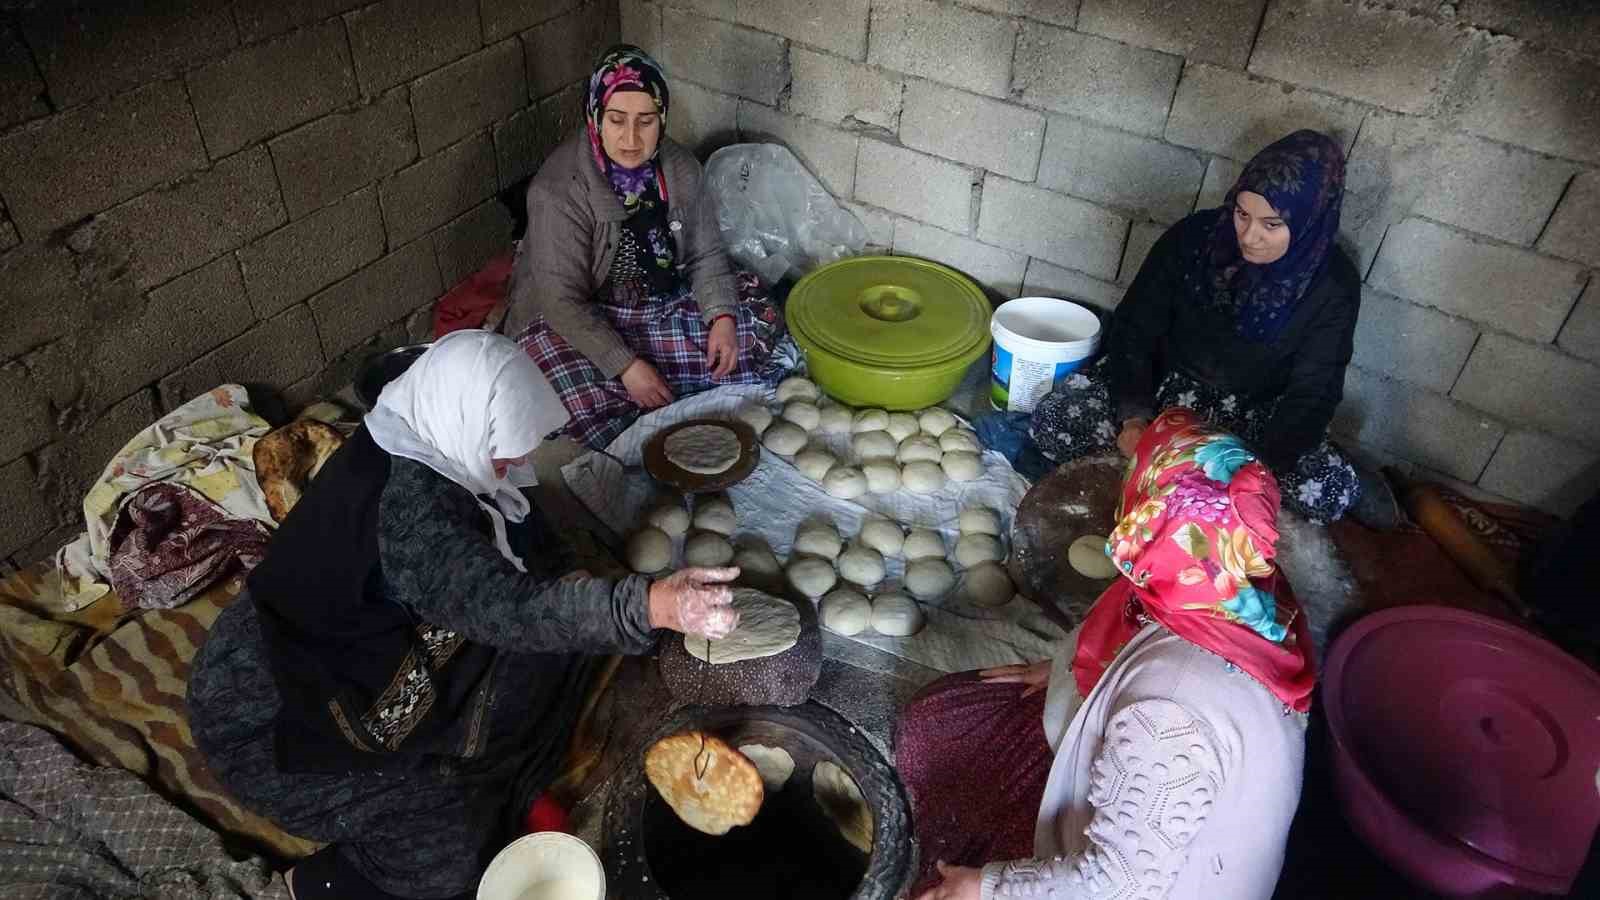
(1088, 558)
(835, 419)
(649, 551)
(870, 445)
(936, 421)
(972, 549)
(797, 388)
(902, 425)
(960, 439)
(929, 578)
(882, 535)
(922, 477)
(817, 539)
(814, 463)
(803, 413)
(919, 448)
(987, 584)
(756, 415)
(869, 420)
(669, 517)
(840, 799)
(844, 482)
(845, 611)
(774, 763)
(812, 576)
(883, 476)
(922, 543)
(755, 559)
(980, 520)
(784, 438)
(959, 465)
(896, 615)
(714, 512)
(707, 548)
(861, 565)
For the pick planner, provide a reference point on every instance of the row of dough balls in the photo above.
(849, 612)
(707, 544)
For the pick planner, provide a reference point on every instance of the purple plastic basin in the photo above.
(1465, 750)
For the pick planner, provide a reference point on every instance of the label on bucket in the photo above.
(1018, 385)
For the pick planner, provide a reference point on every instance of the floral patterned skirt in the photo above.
(1076, 420)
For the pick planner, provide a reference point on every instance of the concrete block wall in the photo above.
(1043, 145)
(207, 191)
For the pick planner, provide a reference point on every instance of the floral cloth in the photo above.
(171, 543)
(1194, 543)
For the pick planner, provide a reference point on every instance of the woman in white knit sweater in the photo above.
(1162, 749)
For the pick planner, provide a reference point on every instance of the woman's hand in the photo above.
(960, 883)
(722, 347)
(1035, 675)
(1128, 439)
(695, 601)
(645, 385)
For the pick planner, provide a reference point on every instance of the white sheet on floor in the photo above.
(776, 498)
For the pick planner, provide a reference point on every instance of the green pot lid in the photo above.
(892, 311)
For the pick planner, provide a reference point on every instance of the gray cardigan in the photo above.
(574, 228)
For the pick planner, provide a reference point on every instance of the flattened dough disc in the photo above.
(687, 482)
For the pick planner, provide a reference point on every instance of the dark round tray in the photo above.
(1076, 499)
(655, 459)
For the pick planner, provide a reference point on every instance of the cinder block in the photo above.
(264, 18)
(1221, 175)
(1047, 280)
(423, 196)
(641, 24)
(1147, 178)
(702, 120)
(1000, 271)
(1492, 189)
(1141, 238)
(275, 353)
(1410, 342)
(21, 91)
(943, 195)
(1574, 230)
(25, 408)
(878, 222)
(465, 96)
(322, 161)
(828, 154)
(397, 40)
(183, 318)
(28, 513)
(841, 92)
(1217, 32)
(716, 9)
(1581, 334)
(971, 129)
(1565, 24)
(563, 50)
(1058, 229)
(1386, 174)
(174, 229)
(56, 170)
(522, 142)
(836, 25)
(384, 292)
(1543, 472)
(47, 295)
(504, 18)
(1416, 424)
(1056, 12)
(307, 255)
(1506, 287)
(1533, 385)
(66, 470)
(260, 90)
(463, 245)
(956, 46)
(724, 57)
(1100, 80)
(8, 233)
(89, 50)
(1234, 115)
(1539, 99)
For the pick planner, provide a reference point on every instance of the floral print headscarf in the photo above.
(1302, 176)
(1194, 543)
(622, 68)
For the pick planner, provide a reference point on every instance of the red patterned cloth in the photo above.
(170, 543)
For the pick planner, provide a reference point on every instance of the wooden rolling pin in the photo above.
(1428, 508)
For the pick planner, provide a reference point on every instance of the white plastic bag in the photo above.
(775, 218)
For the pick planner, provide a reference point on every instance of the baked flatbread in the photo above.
(840, 798)
(703, 449)
(712, 787)
(288, 458)
(768, 626)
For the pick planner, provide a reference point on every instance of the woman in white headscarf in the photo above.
(402, 675)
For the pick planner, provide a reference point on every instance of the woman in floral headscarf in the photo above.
(1245, 313)
(622, 292)
(1162, 750)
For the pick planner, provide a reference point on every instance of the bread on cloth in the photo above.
(289, 457)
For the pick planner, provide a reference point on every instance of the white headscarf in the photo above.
(471, 398)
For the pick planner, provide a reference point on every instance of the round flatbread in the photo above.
(774, 763)
(1087, 556)
(711, 786)
(768, 626)
(840, 799)
(703, 449)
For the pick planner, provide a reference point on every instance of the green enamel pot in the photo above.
(888, 331)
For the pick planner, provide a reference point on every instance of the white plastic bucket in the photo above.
(1037, 342)
(547, 865)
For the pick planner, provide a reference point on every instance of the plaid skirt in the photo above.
(666, 331)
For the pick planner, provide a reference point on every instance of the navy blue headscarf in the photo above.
(1302, 176)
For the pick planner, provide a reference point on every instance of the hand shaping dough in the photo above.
(836, 419)
(919, 448)
(922, 543)
(785, 438)
(817, 538)
(922, 477)
(882, 535)
(649, 551)
(845, 612)
(896, 615)
(929, 578)
(755, 415)
(768, 626)
(883, 476)
(814, 463)
(987, 584)
(774, 763)
(861, 565)
(960, 465)
(797, 388)
(1087, 556)
(869, 420)
(972, 549)
(936, 421)
(960, 439)
(870, 445)
(844, 482)
(714, 512)
(812, 576)
(669, 517)
(729, 794)
(979, 520)
(702, 449)
(840, 798)
(902, 425)
(803, 413)
(707, 548)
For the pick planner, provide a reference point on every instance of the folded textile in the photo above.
(170, 543)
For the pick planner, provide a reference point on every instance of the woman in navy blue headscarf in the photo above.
(1246, 314)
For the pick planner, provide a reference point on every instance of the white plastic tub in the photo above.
(1037, 342)
(548, 865)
